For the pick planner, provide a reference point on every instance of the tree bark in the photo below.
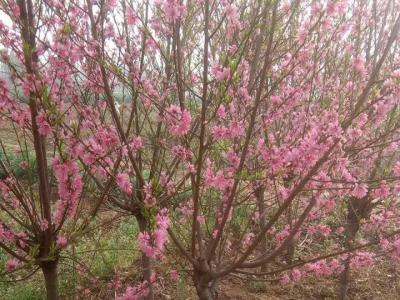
(205, 288)
(259, 193)
(344, 280)
(145, 260)
(291, 248)
(356, 210)
(49, 270)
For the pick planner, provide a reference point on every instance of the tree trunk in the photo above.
(145, 260)
(356, 209)
(259, 193)
(205, 288)
(344, 280)
(49, 270)
(291, 248)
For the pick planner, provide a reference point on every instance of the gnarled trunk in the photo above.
(344, 280)
(49, 270)
(356, 210)
(205, 288)
(145, 260)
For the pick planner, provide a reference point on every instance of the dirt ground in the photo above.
(380, 282)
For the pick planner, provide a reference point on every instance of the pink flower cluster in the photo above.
(62, 242)
(178, 121)
(233, 130)
(69, 188)
(173, 9)
(123, 181)
(182, 153)
(44, 127)
(131, 16)
(327, 268)
(362, 259)
(360, 190)
(220, 73)
(217, 180)
(322, 229)
(137, 292)
(149, 198)
(382, 191)
(324, 268)
(232, 16)
(152, 244)
(11, 264)
(6, 235)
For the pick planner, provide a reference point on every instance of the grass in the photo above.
(106, 253)
(13, 162)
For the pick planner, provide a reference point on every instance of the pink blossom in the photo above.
(150, 200)
(180, 152)
(231, 11)
(220, 182)
(236, 129)
(124, 183)
(282, 235)
(325, 230)
(44, 127)
(145, 246)
(174, 275)
(296, 275)
(69, 187)
(173, 9)
(359, 66)
(62, 242)
(221, 111)
(233, 159)
(220, 73)
(340, 230)
(285, 279)
(138, 292)
(190, 169)
(186, 209)
(136, 143)
(115, 283)
(6, 235)
(360, 190)
(232, 16)
(178, 121)
(11, 264)
(44, 224)
(275, 99)
(220, 132)
(247, 239)
(362, 259)
(131, 17)
(320, 268)
(382, 191)
(19, 117)
(14, 8)
(232, 49)
(152, 244)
